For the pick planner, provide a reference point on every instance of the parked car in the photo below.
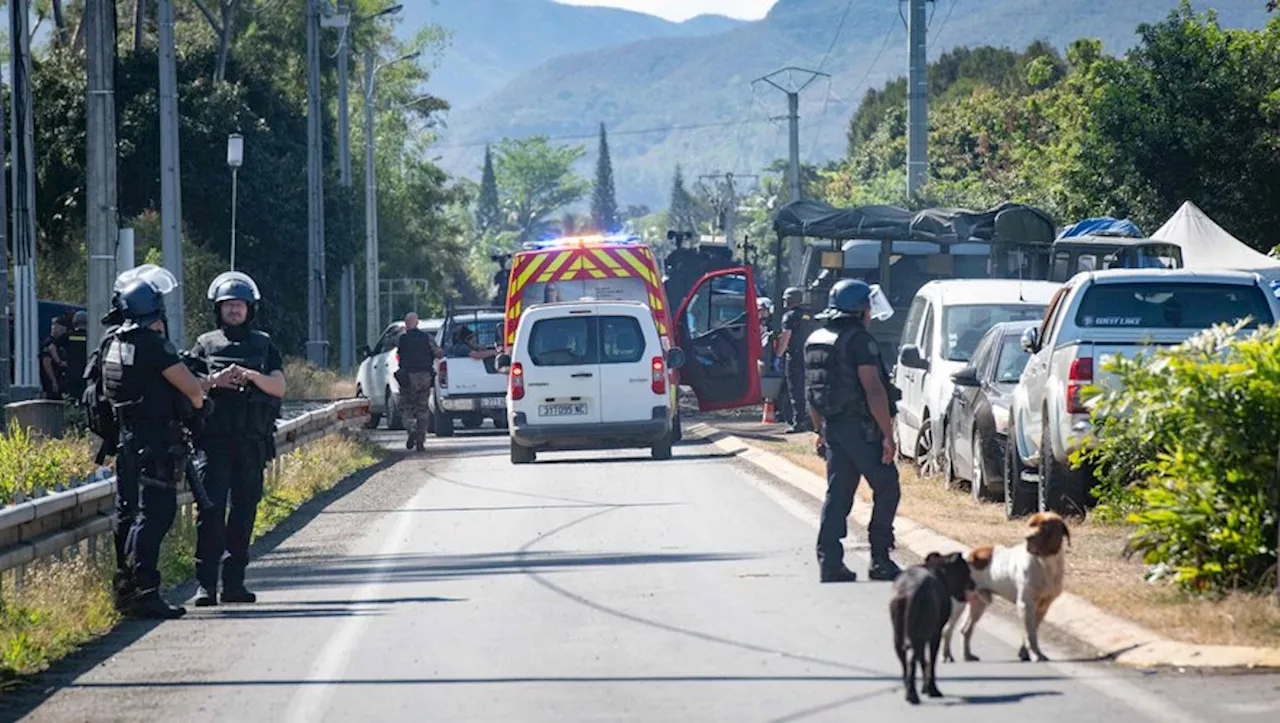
(977, 421)
(944, 324)
(469, 390)
(590, 375)
(376, 377)
(1096, 316)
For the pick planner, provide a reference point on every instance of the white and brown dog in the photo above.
(1029, 575)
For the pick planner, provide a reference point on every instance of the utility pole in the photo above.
(917, 99)
(317, 346)
(6, 340)
(103, 228)
(22, 139)
(170, 174)
(727, 200)
(793, 90)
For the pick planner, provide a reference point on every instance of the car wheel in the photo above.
(501, 422)
(521, 454)
(662, 450)
(374, 417)
(926, 460)
(1019, 497)
(978, 476)
(395, 419)
(1061, 488)
(948, 462)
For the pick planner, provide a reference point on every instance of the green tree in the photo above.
(488, 210)
(682, 215)
(604, 202)
(535, 179)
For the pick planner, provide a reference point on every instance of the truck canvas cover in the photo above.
(1008, 222)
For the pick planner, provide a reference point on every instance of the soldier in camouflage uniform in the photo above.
(416, 375)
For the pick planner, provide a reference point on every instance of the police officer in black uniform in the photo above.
(851, 403)
(152, 393)
(797, 323)
(246, 382)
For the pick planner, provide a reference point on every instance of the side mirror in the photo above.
(503, 361)
(910, 357)
(675, 358)
(1031, 340)
(967, 377)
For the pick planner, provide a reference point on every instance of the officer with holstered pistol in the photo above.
(852, 402)
(157, 403)
(246, 381)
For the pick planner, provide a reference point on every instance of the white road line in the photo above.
(1008, 632)
(311, 700)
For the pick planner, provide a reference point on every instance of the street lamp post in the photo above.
(372, 327)
(235, 159)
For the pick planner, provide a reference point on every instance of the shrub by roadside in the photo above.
(306, 381)
(64, 604)
(29, 462)
(1188, 451)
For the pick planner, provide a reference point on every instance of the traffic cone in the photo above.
(770, 412)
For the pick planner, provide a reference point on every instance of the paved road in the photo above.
(606, 587)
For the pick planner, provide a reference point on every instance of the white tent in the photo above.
(1206, 245)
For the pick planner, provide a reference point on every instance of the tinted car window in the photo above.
(1171, 306)
(621, 340)
(963, 326)
(1013, 359)
(564, 341)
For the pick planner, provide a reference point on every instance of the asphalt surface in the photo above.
(449, 586)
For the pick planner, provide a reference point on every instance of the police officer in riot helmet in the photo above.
(154, 395)
(797, 323)
(246, 381)
(852, 403)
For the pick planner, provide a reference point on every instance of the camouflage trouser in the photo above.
(413, 400)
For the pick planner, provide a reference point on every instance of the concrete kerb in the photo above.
(1111, 636)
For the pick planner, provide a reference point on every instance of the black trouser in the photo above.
(854, 450)
(232, 477)
(799, 413)
(150, 504)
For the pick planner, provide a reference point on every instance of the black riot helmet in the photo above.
(234, 285)
(848, 298)
(139, 296)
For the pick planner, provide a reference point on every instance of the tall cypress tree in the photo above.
(604, 203)
(681, 216)
(488, 213)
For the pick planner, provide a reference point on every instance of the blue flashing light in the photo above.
(584, 241)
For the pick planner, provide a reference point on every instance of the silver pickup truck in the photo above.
(468, 390)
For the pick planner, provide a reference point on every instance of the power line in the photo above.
(839, 30)
(945, 18)
(596, 134)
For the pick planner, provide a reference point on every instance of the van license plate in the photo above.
(562, 410)
(493, 402)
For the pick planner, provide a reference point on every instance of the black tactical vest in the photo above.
(831, 379)
(144, 401)
(249, 414)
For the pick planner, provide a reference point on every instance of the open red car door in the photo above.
(719, 332)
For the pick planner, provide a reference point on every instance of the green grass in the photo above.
(64, 604)
(307, 381)
(30, 461)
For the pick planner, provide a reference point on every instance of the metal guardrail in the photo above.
(53, 521)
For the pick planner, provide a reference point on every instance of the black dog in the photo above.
(920, 607)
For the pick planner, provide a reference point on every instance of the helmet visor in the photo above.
(160, 278)
(233, 276)
(881, 309)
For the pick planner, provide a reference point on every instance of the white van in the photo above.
(590, 375)
(946, 321)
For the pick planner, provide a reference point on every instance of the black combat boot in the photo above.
(148, 605)
(238, 594)
(838, 574)
(882, 568)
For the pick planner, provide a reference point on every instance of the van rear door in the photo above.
(562, 379)
(629, 352)
(719, 331)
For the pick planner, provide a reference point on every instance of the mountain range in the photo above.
(689, 97)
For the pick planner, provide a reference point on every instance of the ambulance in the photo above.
(716, 325)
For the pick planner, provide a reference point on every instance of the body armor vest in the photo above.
(143, 400)
(248, 414)
(832, 385)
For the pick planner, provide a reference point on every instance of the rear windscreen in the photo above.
(1171, 306)
(609, 289)
(580, 340)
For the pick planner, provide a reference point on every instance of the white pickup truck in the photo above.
(376, 378)
(468, 390)
(1095, 316)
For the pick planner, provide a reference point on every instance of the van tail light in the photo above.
(1079, 377)
(442, 377)
(517, 381)
(659, 376)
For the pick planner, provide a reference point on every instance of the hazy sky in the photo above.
(685, 9)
